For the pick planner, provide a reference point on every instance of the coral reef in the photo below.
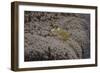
(56, 36)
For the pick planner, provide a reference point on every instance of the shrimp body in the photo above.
(60, 33)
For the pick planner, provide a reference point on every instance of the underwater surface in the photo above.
(56, 36)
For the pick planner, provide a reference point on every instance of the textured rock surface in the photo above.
(42, 44)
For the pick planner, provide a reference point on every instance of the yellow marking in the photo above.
(62, 34)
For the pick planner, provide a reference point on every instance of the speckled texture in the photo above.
(42, 44)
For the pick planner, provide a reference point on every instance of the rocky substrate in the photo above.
(41, 44)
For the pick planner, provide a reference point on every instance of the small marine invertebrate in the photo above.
(60, 33)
